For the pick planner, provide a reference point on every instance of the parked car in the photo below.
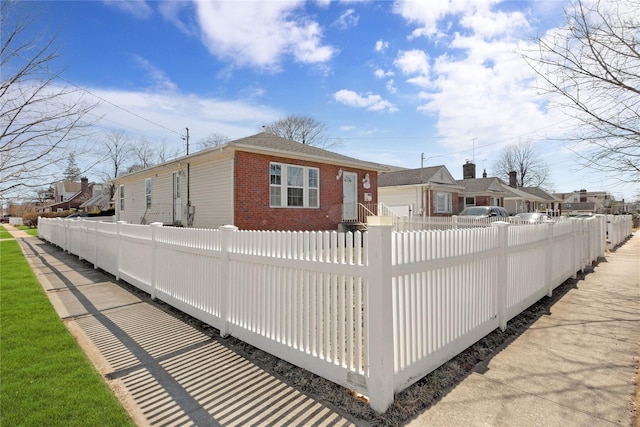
(485, 212)
(78, 215)
(532, 217)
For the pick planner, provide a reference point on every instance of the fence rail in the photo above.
(332, 302)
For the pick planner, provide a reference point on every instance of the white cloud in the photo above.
(414, 62)
(381, 74)
(159, 78)
(163, 116)
(261, 33)
(347, 20)
(371, 102)
(391, 86)
(427, 13)
(138, 8)
(381, 46)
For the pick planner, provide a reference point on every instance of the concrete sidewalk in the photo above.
(164, 370)
(573, 367)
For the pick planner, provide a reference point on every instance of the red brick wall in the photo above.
(432, 197)
(251, 196)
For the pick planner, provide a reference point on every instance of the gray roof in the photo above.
(537, 191)
(481, 185)
(407, 176)
(294, 149)
(273, 145)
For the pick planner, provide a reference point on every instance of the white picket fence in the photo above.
(333, 303)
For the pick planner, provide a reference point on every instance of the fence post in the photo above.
(119, 256)
(67, 239)
(82, 239)
(225, 295)
(576, 256)
(95, 245)
(154, 264)
(502, 276)
(379, 315)
(549, 259)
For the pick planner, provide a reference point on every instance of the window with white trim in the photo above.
(121, 194)
(469, 201)
(293, 186)
(147, 191)
(443, 202)
(495, 201)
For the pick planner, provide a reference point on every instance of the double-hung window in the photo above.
(121, 194)
(443, 202)
(293, 186)
(147, 191)
(469, 201)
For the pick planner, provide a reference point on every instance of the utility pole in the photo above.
(189, 220)
(187, 139)
(421, 180)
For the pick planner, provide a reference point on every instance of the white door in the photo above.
(349, 196)
(177, 198)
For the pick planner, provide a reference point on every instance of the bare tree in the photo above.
(304, 129)
(117, 149)
(212, 140)
(531, 170)
(593, 67)
(39, 118)
(144, 153)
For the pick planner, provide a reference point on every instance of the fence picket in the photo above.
(332, 302)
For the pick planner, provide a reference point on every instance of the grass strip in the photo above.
(46, 377)
(4, 234)
(29, 230)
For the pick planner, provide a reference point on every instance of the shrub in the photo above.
(31, 219)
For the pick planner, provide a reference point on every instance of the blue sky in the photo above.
(390, 79)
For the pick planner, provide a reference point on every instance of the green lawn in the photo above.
(29, 230)
(46, 377)
(4, 234)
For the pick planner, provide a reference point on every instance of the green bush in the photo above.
(31, 219)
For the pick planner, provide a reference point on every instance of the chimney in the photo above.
(469, 170)
(484, 174)
(583, 195)
(513, 181)
(84, 186)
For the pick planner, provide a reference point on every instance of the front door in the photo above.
(177, 198)
(350, 196)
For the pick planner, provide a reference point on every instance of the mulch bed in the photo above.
(408, 403)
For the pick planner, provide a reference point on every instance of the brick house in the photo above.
(261, 182)
(68, 196)
(485, 191)
(429, 191)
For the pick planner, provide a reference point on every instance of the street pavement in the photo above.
(575, 366)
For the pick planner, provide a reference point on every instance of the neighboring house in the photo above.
(583, 201)
(68, 195)
(516, 200)
(100, 201)
(485, 191)
(549, 204)
(262, 182)
(429, 191)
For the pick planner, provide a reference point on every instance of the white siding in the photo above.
(212, 193)
(401, 196)
(134, 202)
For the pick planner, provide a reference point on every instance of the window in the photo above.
(293, 186)
(495, 201)
(443, 202)
(121, 193)
(469, 201)
(147, 191)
